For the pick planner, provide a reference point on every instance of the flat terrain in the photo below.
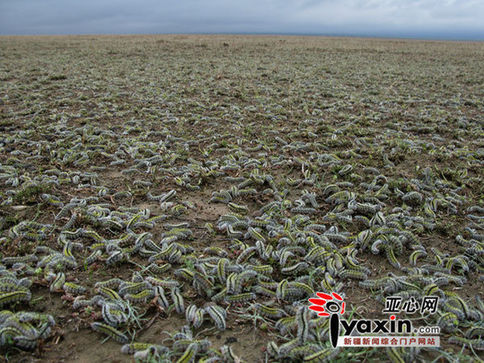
(149, 183)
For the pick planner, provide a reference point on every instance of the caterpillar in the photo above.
(316, 255)
(284, 256)
(228, 354)
(160, 297)
(322, 355)
(164, 283)
(19, 259)
(460, 261)
(135, 347)
(286, 348)
(204, 281)
(112, 315)
(70, 222)
(189, 354)
(330, 267)
(184, 274)
(58, 282)
(220, 296)
(9, 287)
(302, 320)
(158, 269)
(245, 276)
(301, 287)
(389, 252)
(457, 305)
(109, 293)
(68, 247)
(73, 289)
(178, 300)
(190, 312)
(233, 284)
(142, 296)
(256, 235)
(281, 289)
(272, 349)
(198, 318)
(5, 315)
(237, 208)
(377, 220)
(221, 270)
(111, 332)
(14, 296)
(25, 328)
(413, 198)
(352, 274)
(415, 255)
(215, 251)
(448, 322)
(7, 333)
(175, 256)
(269, 312)
(111, 283)
(217, 314)
(88, 233)
(238, 298)
(115, 257)
(304, 350)
(303, 210)
(132, 287)
(163, 254)
(264, 291)
(65, 210)
(25, 342)
(374, 284)
(475, 331)
(265, 270)
(295, 269)
(232, 233)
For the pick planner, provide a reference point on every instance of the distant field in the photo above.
(218, 182)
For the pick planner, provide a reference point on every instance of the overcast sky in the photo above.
(443, 19)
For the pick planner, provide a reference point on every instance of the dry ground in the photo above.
(305, 112)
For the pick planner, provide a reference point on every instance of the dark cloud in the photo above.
(451, 19)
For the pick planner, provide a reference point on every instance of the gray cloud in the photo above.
(452, 19)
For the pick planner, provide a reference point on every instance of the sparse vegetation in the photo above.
(183, 196)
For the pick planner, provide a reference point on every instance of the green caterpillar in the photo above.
(15, 296)
(111, 332)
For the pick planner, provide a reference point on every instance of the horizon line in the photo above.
(327, 35)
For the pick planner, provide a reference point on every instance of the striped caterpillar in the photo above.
(217, 314)
(111, 332)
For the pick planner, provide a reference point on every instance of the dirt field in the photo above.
(149, 183)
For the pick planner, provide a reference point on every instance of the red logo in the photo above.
(327, 304)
